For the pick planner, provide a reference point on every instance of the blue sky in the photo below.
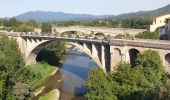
(9, 8)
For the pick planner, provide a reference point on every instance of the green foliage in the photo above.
(1, 88)
(124, 36)
(24, 28)
(16, 80)
(12, 22)
(150, 59)
(46, 28)
(50, 96)
(162, 92)
(148, 35)
(146, 81)
(18, 26)
(98, 86)
(21, 90)
(32, 23)
(37, 73)
(11, 63)
(52, 52)
(117, 23)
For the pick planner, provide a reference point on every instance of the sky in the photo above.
(10, 8)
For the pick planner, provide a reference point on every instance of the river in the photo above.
(75, 72)
(71, 78)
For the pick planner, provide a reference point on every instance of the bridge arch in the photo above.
(79, 32)
(167, 58)
(117, 56)
(133, 55)
(167, 62)
(99, 34)
(32, 54)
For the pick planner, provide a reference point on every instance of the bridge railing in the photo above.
(158, 44)
(135, 42)
(67, 37)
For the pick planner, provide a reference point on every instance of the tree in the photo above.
(146, 81)
(52, 52)
(46, 28)
(14, 22)
(148, 35)
(32, 23)
(98, 87)
(24, 28)
(11, 61)
(150, 59)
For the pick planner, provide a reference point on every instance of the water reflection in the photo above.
(75, 71)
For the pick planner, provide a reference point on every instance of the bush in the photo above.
(21, 90)
(98, 86)
(148, 35)
(24, 28)
(37, 73)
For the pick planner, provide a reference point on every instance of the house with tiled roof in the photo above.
(159, 24)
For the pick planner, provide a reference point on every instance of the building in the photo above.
(167, 25)
(158, 24)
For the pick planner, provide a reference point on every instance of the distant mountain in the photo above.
(42, 16)
(144, 14)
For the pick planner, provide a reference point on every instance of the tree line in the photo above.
(16, 25)
(140, 23)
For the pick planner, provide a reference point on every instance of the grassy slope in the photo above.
(39, 72)
(50, 96)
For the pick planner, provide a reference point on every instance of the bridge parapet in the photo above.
(105, 30)
(68, 38)
(156, 44)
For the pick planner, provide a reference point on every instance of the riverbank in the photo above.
(45, 88)
(53, 95)
(39, 90)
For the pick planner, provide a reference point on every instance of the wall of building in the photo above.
(158, 22)
(167, 26)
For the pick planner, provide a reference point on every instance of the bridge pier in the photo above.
(21, 44)
(95, 54)
(103, 62)
(87, 47)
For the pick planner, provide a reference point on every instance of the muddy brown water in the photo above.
(71, 78)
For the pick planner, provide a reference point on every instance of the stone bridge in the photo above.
(106, 52)
(95, 30)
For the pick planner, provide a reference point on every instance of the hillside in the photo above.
(55, 16)
(144, 14)
(41, 16)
